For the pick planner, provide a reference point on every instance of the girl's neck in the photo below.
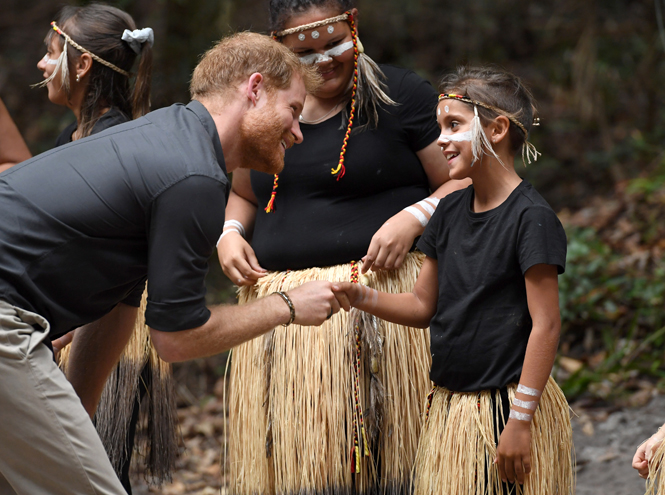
(318, 109)
(493, 183)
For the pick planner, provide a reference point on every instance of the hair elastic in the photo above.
(136, 38)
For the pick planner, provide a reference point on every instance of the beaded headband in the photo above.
(340, 170)
(311, 25)
(529, 151)
(80, 48)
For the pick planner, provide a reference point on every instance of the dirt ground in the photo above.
(605, 441)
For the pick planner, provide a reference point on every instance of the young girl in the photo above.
(488, 289)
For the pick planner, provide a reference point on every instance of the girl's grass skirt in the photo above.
(156, 432)
(656, 480)
(298, 408)
(458, 444)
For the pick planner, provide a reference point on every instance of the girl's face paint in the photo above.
(455, 119)
(327, 56)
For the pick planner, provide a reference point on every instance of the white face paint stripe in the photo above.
(455, 138)
(319, 58)
(52, 61)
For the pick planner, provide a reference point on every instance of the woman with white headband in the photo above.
(334, 409)
(91, 53)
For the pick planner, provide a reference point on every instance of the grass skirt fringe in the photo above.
(457, 446)
(656, 480)
(291, 405)
(156, 431)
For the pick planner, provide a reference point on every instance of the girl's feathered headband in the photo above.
(479, 138)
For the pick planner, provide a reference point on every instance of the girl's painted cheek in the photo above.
(458, 137)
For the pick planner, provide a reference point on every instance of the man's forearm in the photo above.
(230, 326)
(96, 349)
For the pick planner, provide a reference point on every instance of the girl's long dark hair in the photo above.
(99, 28)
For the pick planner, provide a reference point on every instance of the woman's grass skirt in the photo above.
(656, 480)
(294, 418)
(140, 372)
(458, 444)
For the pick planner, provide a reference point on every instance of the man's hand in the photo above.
(646, 451)
(238, 260)
(314, 302)
(513, 455)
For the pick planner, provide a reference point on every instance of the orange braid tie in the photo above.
(271, 203)
(341, 169)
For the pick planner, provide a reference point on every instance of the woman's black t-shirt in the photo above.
(482, 322)
(321, 221)
(109, 119)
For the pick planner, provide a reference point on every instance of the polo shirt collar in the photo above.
(209, 125)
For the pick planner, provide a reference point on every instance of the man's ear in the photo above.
(255, 87)
(83, 65)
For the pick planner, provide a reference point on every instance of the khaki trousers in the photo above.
(48, 445)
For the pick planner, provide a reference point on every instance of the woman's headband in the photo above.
(80, 48)
(311, 25)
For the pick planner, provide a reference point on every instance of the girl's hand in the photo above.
(348, 294)
(238, 260)
(513, 455)
(391, 242)
(646, 451)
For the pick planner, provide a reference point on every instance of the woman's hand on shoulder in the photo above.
(238, 260)
(513, 454)
(392, 242)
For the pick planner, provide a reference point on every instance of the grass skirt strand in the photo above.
(291, 410)
(457, 446)
(156, 431)
(656, 481)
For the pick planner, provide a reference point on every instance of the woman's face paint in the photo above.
(327, 56)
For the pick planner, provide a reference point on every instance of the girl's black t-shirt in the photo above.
(321, 221)
(482, 322)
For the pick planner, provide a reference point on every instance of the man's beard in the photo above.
(260, 135)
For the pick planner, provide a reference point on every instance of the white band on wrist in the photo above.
(227, 232)
(525, 404)
(237, 224)
(433, 201)
(528, 391)
(426, 206)
(519, 416)
(420, 216)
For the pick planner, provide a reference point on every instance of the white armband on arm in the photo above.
(420, 216)
(231, 226)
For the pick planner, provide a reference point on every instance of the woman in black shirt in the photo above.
(328, 409)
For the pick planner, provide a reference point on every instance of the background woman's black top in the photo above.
(109, 119)
(320, 221)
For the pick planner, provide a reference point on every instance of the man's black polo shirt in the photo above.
(83, 225)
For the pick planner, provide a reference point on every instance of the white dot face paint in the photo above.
(301, 37)
(331, 29)
(315, 34)
(446, 109)
(458, 137)
(319, 58)
(438, 111)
